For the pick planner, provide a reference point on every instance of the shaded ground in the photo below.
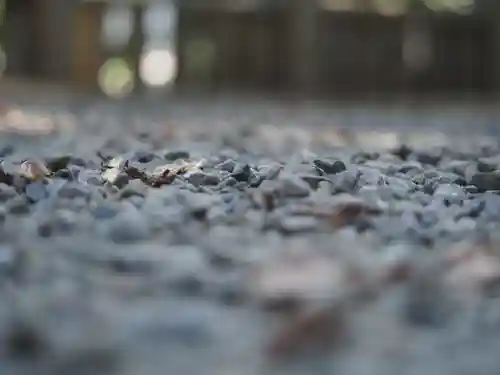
(86, 302)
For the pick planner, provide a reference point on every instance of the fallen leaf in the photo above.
(34, 170)
(346, 213)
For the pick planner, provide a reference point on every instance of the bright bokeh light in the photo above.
(338, 5)
(391, 8)
(457, 6)
(158, 67)
(116, 78)
(117, 26)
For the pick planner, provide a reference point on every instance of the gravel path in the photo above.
(248, 237)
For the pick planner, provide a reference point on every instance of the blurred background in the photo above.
(418, 65)
(320, 47)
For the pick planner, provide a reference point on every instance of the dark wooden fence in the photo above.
(346, 52)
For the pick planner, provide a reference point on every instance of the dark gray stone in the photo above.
(430, 157)
(143, 156)
(6, 150)
(90, 177)
(489, 164)
(329, 167)
(72, 190)
(176, 154)
(486, 180)
(242, 173)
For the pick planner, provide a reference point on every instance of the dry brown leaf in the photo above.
(346, 213)
(34, 170)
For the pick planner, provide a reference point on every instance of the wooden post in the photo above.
(303, 40)
(496, 49)
(87, 58)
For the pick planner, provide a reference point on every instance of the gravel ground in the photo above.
(248, 237)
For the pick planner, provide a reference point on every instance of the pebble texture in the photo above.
(131, 246)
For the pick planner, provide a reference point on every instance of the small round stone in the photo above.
(36, 191)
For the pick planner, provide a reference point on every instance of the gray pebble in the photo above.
(370, 176)
(227, 165)
(73, 190)
(451, 193)
(116, 177)
(486, 180)
(6, 192)
(199, 178)
(293, 186)
(129, 225)
(143, 156)
(345, 181)
(105, 210)
(329, 167)
(297, 224)
(176, 154)
(270, 172)
(455, 166)
(373, 194)
(91, 177)
(431, 157)
(489, 164)
(313, 181)
(36, 191)
(400, 188)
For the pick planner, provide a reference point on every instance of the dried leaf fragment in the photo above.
(346, 213)
(34, 170)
